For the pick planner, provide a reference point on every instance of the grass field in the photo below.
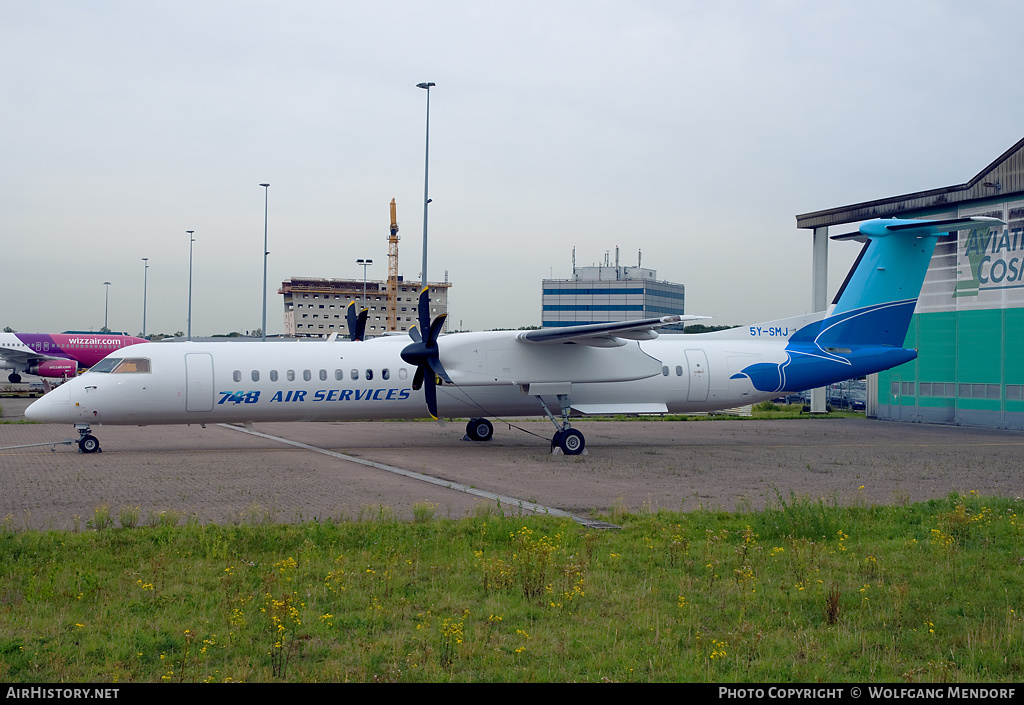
(804, 591)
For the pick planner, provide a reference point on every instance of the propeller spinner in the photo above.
(423, 353)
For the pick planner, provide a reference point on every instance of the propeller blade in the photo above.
(414, 333)
(430, 392)
(435, 365)
(361, 324)
(356, 323)
(417, 379)
(435, 329)
(423, 309)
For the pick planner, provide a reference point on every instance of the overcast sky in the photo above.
(693, 131)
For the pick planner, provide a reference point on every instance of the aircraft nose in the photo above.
(51, 407)
(38, 410)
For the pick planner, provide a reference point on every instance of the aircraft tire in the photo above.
(571, 441)
(479, 430)
(89, 444)
(14, 378)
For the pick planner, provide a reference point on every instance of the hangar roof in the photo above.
(999, 179)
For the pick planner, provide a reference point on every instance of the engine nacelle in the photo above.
(54, 368)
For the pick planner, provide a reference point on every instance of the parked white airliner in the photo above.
(605, 368)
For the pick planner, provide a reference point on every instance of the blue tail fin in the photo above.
(876, 302)
(865, 330)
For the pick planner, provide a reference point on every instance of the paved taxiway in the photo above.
(222, 474)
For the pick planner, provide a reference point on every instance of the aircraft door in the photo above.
(700, 379)
(198, 382)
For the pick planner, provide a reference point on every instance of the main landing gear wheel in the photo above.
(479, 430)
(89, 444)
(570, 441)
(14, 378)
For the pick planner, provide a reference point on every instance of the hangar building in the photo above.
(969, 323)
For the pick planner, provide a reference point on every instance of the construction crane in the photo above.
(392, 324)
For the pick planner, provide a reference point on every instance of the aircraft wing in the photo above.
(22, 355)
(604, 335)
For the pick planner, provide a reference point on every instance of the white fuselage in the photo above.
(493, 375)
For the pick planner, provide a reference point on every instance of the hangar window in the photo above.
(1013, 391)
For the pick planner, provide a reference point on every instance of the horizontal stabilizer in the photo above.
(882, 227)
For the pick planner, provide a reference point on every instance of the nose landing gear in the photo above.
(87, 443)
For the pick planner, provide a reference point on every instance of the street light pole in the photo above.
(266, 203)
(364, 263)
(190, 241)
(145, 286)
(106, 305)
(426, 171)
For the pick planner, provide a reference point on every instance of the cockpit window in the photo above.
(131, 365)
(106, 364)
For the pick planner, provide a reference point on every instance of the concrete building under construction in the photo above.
(315, 307)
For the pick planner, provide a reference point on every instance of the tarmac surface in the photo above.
(226, 474)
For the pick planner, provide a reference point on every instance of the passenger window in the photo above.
(237, 375)
(355, 374)
(679, 370)
(403, 373)
(664, 370)
(273, 375)
(255, 375)
(323, 375)
(291, 375)
(369, 374)
(339, 374)
(307, 375)
(385, 373)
